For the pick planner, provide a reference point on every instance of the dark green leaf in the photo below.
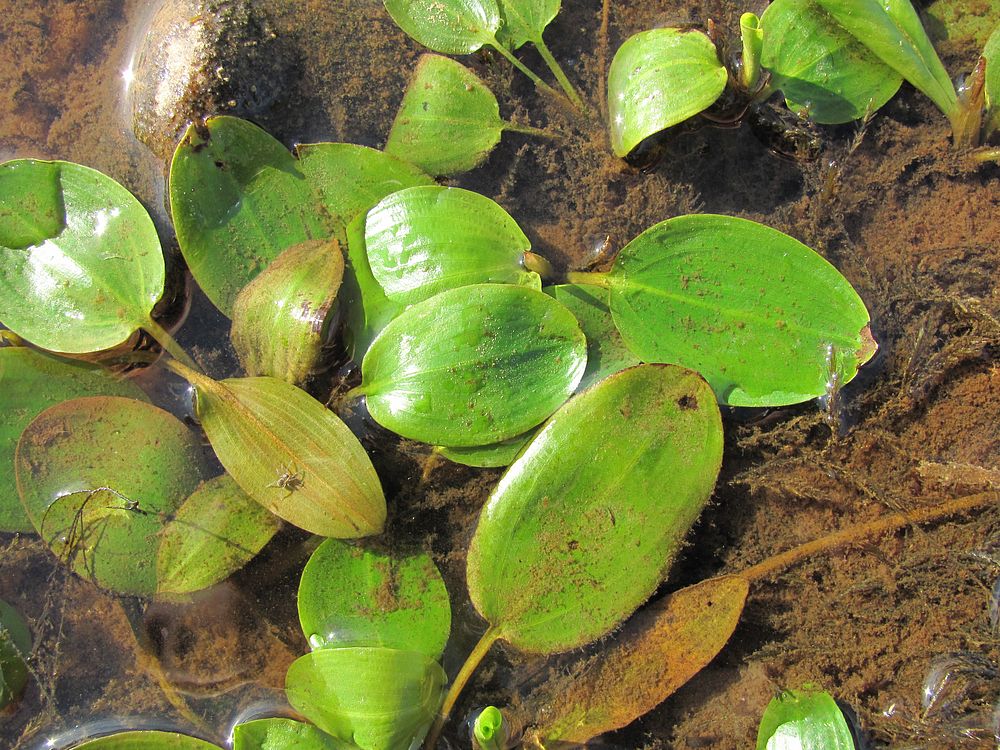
(585, 524)
(448, 121)
(215, 532)
(30, 382)
(99, 477)
(660, 78)
(15, 647)
(606, 352)
(281, 319)
(823, 71)
(291, 454)
(349, 596)
(283, 734)
(93, 281)
(804, 720)
(146, 740)
(762, 317)
(452, 27)
(377, 698)
(425, 240)
(238, 199)
(474, 365)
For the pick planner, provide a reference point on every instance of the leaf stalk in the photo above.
(590, 278)
(169, 344)
(558, 72)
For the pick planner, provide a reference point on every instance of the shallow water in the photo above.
(913, 226)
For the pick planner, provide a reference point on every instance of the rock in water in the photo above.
(201, 57)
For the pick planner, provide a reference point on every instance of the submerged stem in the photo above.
(557, 71)
(859, 532)
(602, 60)
(472, 661)
(591, 278)
(528, 130)
(169, 343)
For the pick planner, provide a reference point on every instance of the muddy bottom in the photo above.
(914, 226)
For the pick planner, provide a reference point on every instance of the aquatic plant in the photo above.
(808, 718)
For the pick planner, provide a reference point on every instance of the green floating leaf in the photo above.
(350, 179)
(425, 240)
(448, 121)
(805, 720)
(473, 366)
(656, 652)
(560, 557)
(30, 382)
(823, 71)
(892, 30)
(283, 734)
(99, 477)
(488, 456)
(146, 740)
(367, 309)
(214, 533)
(525, 20)
(281, 319)
(238, 199)
(15, 646)
(606, 352)
(763, 318)
(659, 78)
(452, 27)
(992, 83)
(291, 454)
(349, 596)
(80, 260)
(377, 698)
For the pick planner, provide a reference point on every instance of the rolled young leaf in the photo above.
(80, 260)
(425, 240)
(349, 596)
(291, 454)
(763, 318)
(238, 199)
(216, 531)
(30, 382)
(281, 319)
(659, 78)
(376, 698)
(473, 365)
(586, 522)
(99, 477)
(825, 73)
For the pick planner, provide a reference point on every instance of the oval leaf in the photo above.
(805, 720)
(452, 27)
(525, 20)
(291, 454)
(657, 651)
(80, 260)
(763, 318)
(606, 352)
(474, 365)
(214, 533)
(146, 739)
(281, 319)
(15, 647)
(659, 78)
(350, 596)
(377, 698)
(488, 456)
(99, 477)
(282, 734)
(30, 382)
(823, 71)
(425, 240)
(585, 524)
(350, 179)
(448, 121)
(238, 199)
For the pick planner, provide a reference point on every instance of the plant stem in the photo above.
(528, 130)
(590, 278)
(557, 71)
(169, 344)
(854, 534)
(475, 657)
(986, 154)
(602, 61)
(539, 83)
(194, 376)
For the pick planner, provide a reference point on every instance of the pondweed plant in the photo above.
(617, 375)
